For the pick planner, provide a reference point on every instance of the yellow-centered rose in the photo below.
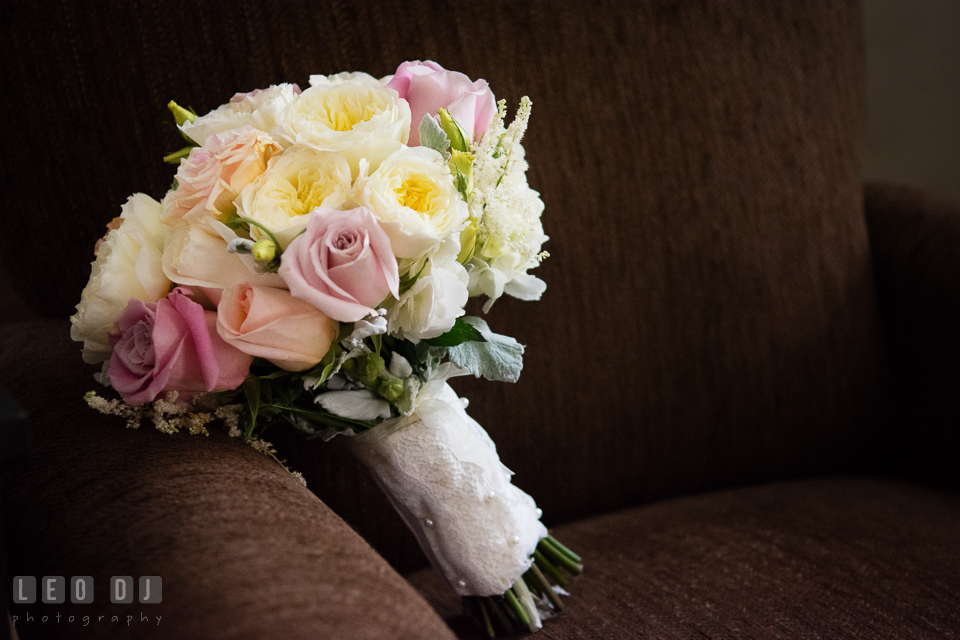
(352, 114)
(413, 194)
(295, 183)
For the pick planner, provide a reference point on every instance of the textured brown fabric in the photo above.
(243, 550)
(837, 559)
(916, 244)
(710, 317)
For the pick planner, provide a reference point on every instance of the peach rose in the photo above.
(270, 323)
(211, 177)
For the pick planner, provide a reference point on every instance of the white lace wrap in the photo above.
(442, 473)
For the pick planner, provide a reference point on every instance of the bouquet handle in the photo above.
(441, 471)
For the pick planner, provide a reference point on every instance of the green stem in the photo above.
(559, 557)
(485, 618)
(526, 601)
(258, 225)
(547, 567)
(499, 616)
(177, 156)
(548, 591)
(478, 610)
(532, 583)
(517, 608)
(564, 550)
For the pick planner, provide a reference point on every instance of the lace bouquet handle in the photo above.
(310, 266)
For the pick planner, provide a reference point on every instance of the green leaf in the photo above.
(180, 114)
(459, 140)
(177, 156)
(433, 137)
(461, 332)
(461, 166)
(320, 424)
(251, 390)
(407, 280)
(325, 369)
(496, 358)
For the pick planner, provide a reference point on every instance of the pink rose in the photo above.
(428, 87)
(171, 345)
(272, 324)
(342, 264)
(210, 178)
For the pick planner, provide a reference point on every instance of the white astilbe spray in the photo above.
(166, 414)
(169, 416)
(506, 211)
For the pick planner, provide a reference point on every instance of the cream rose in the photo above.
(413, 195)
(195, 254)
(295, 183)
(127, 267)
(270, 323)
(213, 175)
(352, 114)
(261, 109)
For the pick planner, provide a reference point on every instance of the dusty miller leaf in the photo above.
(433, 136)
(499, 358)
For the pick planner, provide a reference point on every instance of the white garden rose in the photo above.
(262, 109)
(413, 194)
(353, 114)
(319, 80)
(127, 266)
(295, 183)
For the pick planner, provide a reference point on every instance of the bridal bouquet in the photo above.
(310, 266)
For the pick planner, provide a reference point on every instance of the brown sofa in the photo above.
(740, 398)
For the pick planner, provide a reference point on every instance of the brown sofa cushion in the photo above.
(243, 550)
(839, 558)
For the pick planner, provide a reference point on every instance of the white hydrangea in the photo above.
(438, 297)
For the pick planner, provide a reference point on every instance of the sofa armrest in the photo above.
(915, 240)
(242, 548)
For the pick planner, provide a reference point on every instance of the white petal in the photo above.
(355, 405)
(525, 287)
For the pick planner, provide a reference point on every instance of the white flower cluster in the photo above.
(507, 212)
